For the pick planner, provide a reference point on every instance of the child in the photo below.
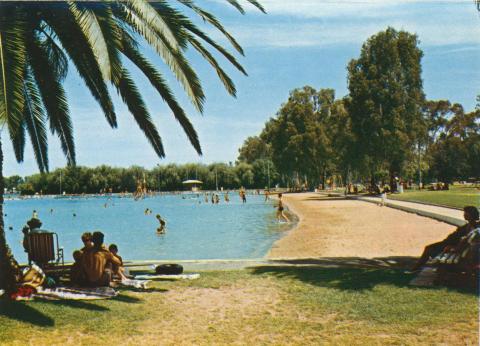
(117, 269)
(77, 275)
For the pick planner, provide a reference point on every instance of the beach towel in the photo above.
(425, 278)
(142, 284)
(168, 277)
(74, 293)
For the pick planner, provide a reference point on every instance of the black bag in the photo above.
(169, 269)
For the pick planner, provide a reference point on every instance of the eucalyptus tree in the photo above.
(298, 138)
(38, 40)
(386, 96)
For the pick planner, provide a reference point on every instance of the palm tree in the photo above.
(39, 39)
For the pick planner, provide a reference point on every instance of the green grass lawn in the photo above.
(458, 196)
(265, 305)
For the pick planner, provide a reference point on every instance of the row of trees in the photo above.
(78, 179)
(384, 128)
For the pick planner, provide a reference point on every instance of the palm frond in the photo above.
(132, 98)
(34, 117)
(257, 5)
(159, 83)
(199, 33)
(235, 4)
(54, 53)
(144, 10)
(174, 59)
(54, 99)
(12, 64)
(74, 42)
(88, 22)
(18, 141)
(210, 18)
(226, 80)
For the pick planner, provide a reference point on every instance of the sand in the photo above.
(346, 228)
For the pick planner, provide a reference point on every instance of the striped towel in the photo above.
(74, 293)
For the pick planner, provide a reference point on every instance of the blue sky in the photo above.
(299, 42)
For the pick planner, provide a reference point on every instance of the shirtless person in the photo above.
(280, 213)
(97, 261)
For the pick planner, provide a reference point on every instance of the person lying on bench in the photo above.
(97, 262)
(471, 215)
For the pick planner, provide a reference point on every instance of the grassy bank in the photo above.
(457, 196)
(265, 305)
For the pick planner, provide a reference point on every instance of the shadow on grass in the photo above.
(355, 274)
(22, 312)
(80, 304)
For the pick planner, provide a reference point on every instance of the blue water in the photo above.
(194, 231)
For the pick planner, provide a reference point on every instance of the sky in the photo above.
(297, 43)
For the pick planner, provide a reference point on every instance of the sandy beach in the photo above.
(346, 228)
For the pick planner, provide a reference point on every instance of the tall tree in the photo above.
(39, 39)
(297, 136)
(386, 95)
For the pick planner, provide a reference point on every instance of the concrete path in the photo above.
(444, 214)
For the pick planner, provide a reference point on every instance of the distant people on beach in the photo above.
(163, 224)
(471, 215)
(280, 209)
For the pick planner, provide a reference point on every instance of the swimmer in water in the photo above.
(163, 224)
(227, 199)
(74, 215)
(51, 211)
(35, 215)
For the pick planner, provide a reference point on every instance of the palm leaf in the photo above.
(17, 138)
(144, 10)
(161, 86)
(174, 59)
(12, 61)
(54, 99)
(88, 22)
(195, 30)
(226, 80)
(132, 98)
(34, 118)
(54, 52)
(210, 18)
(76, 45)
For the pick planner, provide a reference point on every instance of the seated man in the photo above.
(471, 215)
(96, 262)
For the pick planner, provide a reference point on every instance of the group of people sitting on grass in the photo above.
(461, 242)
(95, 264)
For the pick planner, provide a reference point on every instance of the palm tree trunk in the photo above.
(7, 272)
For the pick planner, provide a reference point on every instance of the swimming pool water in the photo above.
(195, 229)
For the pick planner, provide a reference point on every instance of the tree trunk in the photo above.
(7, 272)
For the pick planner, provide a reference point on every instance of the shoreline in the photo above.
(336, 227)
